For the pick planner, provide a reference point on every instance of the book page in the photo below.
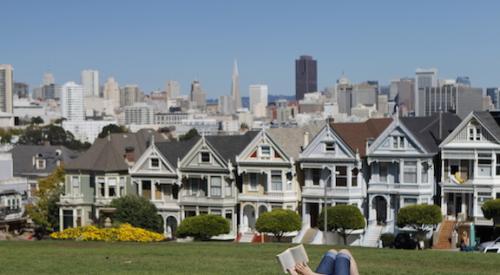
(299, 254)
(286, 260)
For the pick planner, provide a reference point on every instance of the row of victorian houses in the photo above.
(379, 166)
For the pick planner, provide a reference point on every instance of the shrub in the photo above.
(203, 227)
(278, 222)
(124, 233)
(138, 212)
(387, 240)
(344, 219)
(421, 218)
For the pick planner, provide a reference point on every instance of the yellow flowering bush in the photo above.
(123, 233)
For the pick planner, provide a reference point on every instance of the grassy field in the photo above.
(66, 257)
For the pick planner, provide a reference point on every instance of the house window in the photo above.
(410, 172)
(155, 163)
(146, 189)
(217, 212)
(229, 189)
(398, 142)
(276, 181)
(409, 201)
(100, 187)
(289, 179)
(265, 151)
(205, 157)
(75, 185)
(354, 180)
(195, 186)
(330, 147)
(424, 173)
(40, 164)
(112, 188)
(215, 187)
(316, 176)
(383, 167)
(122, 186)
(474, 133)
(158, 191)
(478, 133)
(498, 165)
(395, 142)
(484, 165)
(254, 181)
(341, 176)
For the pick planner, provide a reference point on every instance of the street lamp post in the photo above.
(325, 216)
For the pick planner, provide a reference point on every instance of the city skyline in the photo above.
(432, 38)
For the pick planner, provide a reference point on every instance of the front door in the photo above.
(381, 208)
(67, 219)
(314, 214)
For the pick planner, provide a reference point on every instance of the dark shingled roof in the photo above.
(174, 150)
(356, 134)
(107, 154)
(22, 156)
(491, 121)
(231, 146)
(426, 129)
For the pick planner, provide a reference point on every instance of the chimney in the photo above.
(129, 154)
(306, 140)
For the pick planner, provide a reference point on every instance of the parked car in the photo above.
(405, 241)
(492, 249)
(484, 245)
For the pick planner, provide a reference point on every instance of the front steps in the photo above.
(372, 235)
(444, 239)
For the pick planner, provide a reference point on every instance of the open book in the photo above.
(291, 257)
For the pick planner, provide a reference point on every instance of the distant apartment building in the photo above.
(226, 105)
(6, 88)
(90, 82)
(365, 94)
(198, 96)
(452, 98)
(404, 90)
(493, 93)
(173, 89)
(139, 113)
(258, 99)
(111, 92)
(129, 94)
(424, 78)
(306, 76)
(344, 95)
(21, 90)
(72, 104)
(170, 119)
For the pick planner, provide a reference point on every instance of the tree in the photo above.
(244, 126)
(203, 227)
(491, 210)
(55, 135)
(112, 129)
(137, 211)
(36, 120)
(45, 211)
(278, 222)
(189, 135)
(422, 218)
(344, 219)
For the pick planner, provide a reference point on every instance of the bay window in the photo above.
(341, 176)
(276, 181)
(410, 172)
(215, 187)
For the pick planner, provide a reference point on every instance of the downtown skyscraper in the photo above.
(306, 76)
(235, 87)
(90, 82)
(6, 88)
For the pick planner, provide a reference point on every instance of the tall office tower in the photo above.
(403, 90)
(90, 82)
(6, 88)
(344, 95)
(173, 89)
(258, 99)
(226, 105)
(197, 95)
(49, 91)
(365, 94)
(48, 78)
(235, 87)
(493, 93)
(424, 78)
(457, 99)
(111, 92)
(129, 94)
(21, 90)
(306, 76)
(72, 104)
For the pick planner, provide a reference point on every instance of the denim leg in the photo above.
(343, 264)
(327, 264)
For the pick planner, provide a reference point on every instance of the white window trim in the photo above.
(265, 156)
(209, 157)
(250, 187)
(151, 163)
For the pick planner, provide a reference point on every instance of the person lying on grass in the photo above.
(332, 263)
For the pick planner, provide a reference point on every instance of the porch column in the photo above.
(241, 217)
(444, 203)
(61, 225)
(419, 171)
(153, 190)
(464, 204)
(140, 187)
(106, 188)
(304, 214)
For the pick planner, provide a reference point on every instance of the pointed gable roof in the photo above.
(356, 134)
(427, 129)
(291, 140)
(176, 150)
(491, 121)
(231, 146)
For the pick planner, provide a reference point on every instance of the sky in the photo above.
(149, 42)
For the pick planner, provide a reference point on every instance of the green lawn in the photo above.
(66, 257)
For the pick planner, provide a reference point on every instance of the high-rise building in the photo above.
(344, 95)
(365, 94)
(197, 95)
(173, 89)
(111, 92)
(49, 91)
(48, 78)
(463, 80)
(424, 78)
(258, 99)
(6, 88)
(403, 90)
(90, 82)
(235, 87)
(457, 99)
(129, 94)
(139, 113)
(226, 105)
(493, 93)
(72, 104)
(21, 90)
(306, 76)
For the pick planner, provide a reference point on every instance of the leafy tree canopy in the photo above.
(278, 222)
(189, 135)
(137, 211)
(203, 227)
(112, 129)
(421, 217)
(344, 219)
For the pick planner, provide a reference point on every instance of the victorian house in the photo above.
(471, 167)
(402, 168)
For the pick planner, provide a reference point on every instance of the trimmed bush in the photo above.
(203, 227)
(491, 210)
(344, 219)
(124, 233)
(278, 222)
(421, 218)
(138, 212)
(387, 240)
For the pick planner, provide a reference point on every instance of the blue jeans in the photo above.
(334, 264)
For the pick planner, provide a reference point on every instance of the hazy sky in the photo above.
(148, 42)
